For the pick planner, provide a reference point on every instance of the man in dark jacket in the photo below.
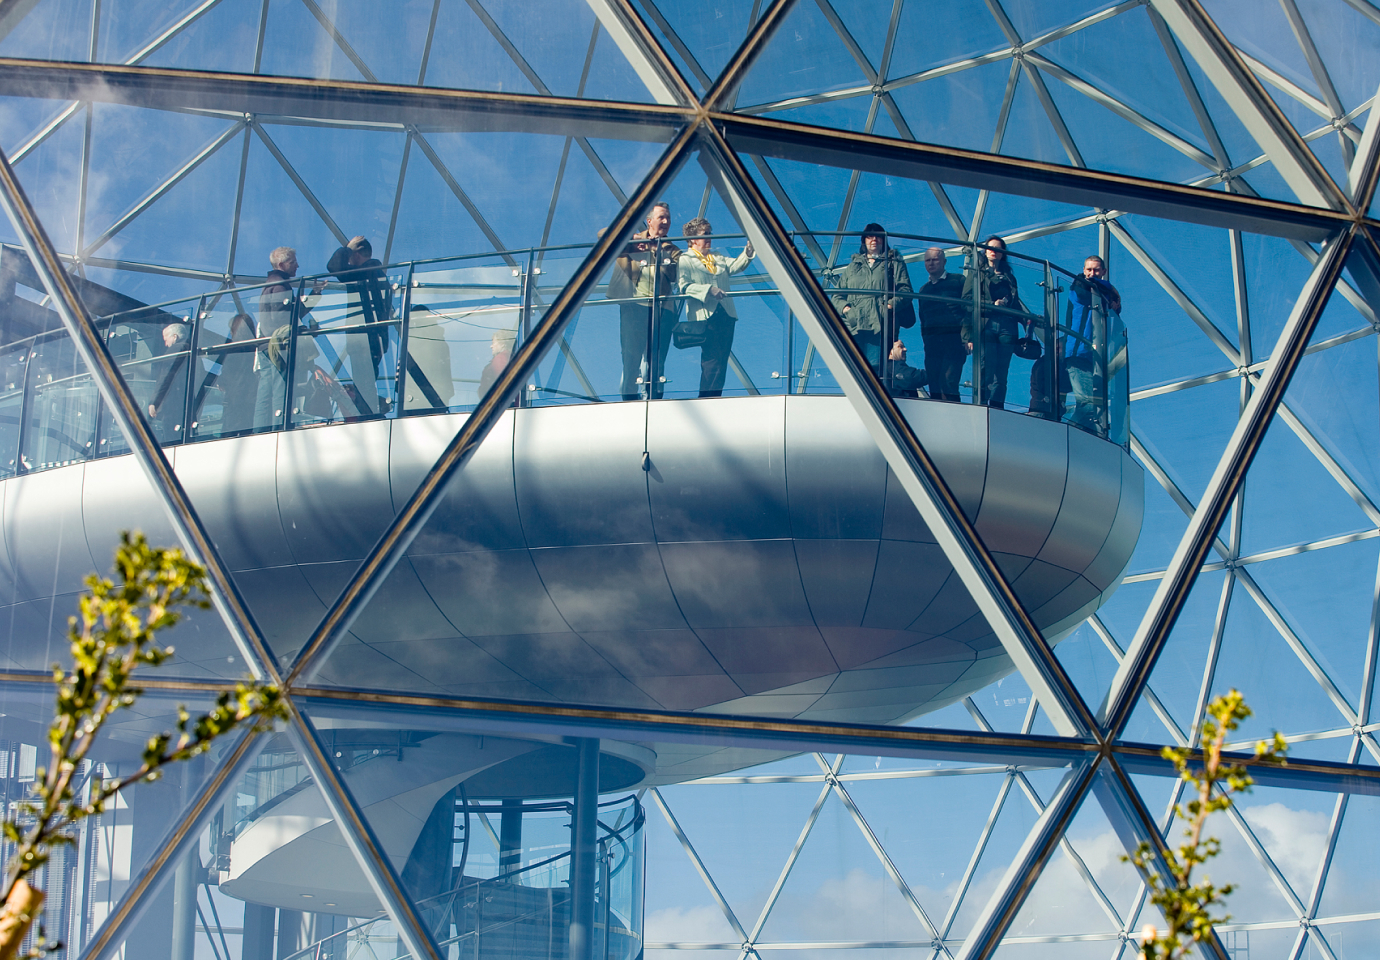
(170, 374)
(370, 303)
(941, 309)
(646, 272)
(874, 318)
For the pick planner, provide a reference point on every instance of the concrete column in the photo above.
(510, 838)
(185, 881)
(583, 861)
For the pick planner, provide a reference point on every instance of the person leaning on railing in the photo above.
(705, 278)
(871, 318)
(1093, 299)
(369, 303)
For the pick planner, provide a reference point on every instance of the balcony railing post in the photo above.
(290, 371)
(1050, 336)
(524, 398)
(25, 395)
(190, 386)
(400, 374)
(976, 273)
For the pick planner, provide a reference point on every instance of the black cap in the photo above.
(874, 228)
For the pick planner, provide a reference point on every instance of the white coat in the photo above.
(694, 281)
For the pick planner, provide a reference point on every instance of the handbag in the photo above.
(1028, 348)
(690, 333)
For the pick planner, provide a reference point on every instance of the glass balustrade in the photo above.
(431, 337)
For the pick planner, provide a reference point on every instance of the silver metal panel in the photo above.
(490, 592)
(333, 490)
(356, 664)
(766, 658)
(1040, 582)
(609, 587)
(951, 607)
(479, 510)
(1091, 494)
(6, 565)
(663, 657)
(1110, 562)
(837, 576)
(116, 496)
(582, 689)
(902, 521)
(547, 658)
(578, 475)
(908, 577)
(942, 673)
(455, 663)
(956, 438)
(1026, 470)
(835, 473)
(233, 484)
(737, 584)
(284, 605)
(1071, 598)
(689, 693)
(32, 632)
(925, 650)
(718, 469)
(43, 531)
(402, 607)
(878, 628)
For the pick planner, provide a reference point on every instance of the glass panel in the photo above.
(87, 881)
(153, 349)
(60, 423)
(13, 361)
(344, 352)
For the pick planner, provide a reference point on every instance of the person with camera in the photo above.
(645, 275)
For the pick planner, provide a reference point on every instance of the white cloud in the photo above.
(702, 924)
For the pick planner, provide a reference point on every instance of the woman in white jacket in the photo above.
(705, 279)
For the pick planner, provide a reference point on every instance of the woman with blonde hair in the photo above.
(705, 279)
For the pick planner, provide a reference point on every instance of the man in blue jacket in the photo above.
(1081, 356)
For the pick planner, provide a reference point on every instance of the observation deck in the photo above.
(750, 553)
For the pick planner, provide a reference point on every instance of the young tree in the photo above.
(1186, 904)
(113, 635)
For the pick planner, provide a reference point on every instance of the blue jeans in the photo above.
(1085, 382)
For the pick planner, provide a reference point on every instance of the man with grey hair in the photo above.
(646, 274)
(275, 319)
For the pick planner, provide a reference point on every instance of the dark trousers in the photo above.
(945, 355)
(633, 319)
(714, 354)
(996, 364)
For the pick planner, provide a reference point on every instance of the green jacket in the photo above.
(886, 274)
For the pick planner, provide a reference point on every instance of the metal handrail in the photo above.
(402, 383)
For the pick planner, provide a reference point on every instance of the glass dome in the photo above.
(598, 644)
